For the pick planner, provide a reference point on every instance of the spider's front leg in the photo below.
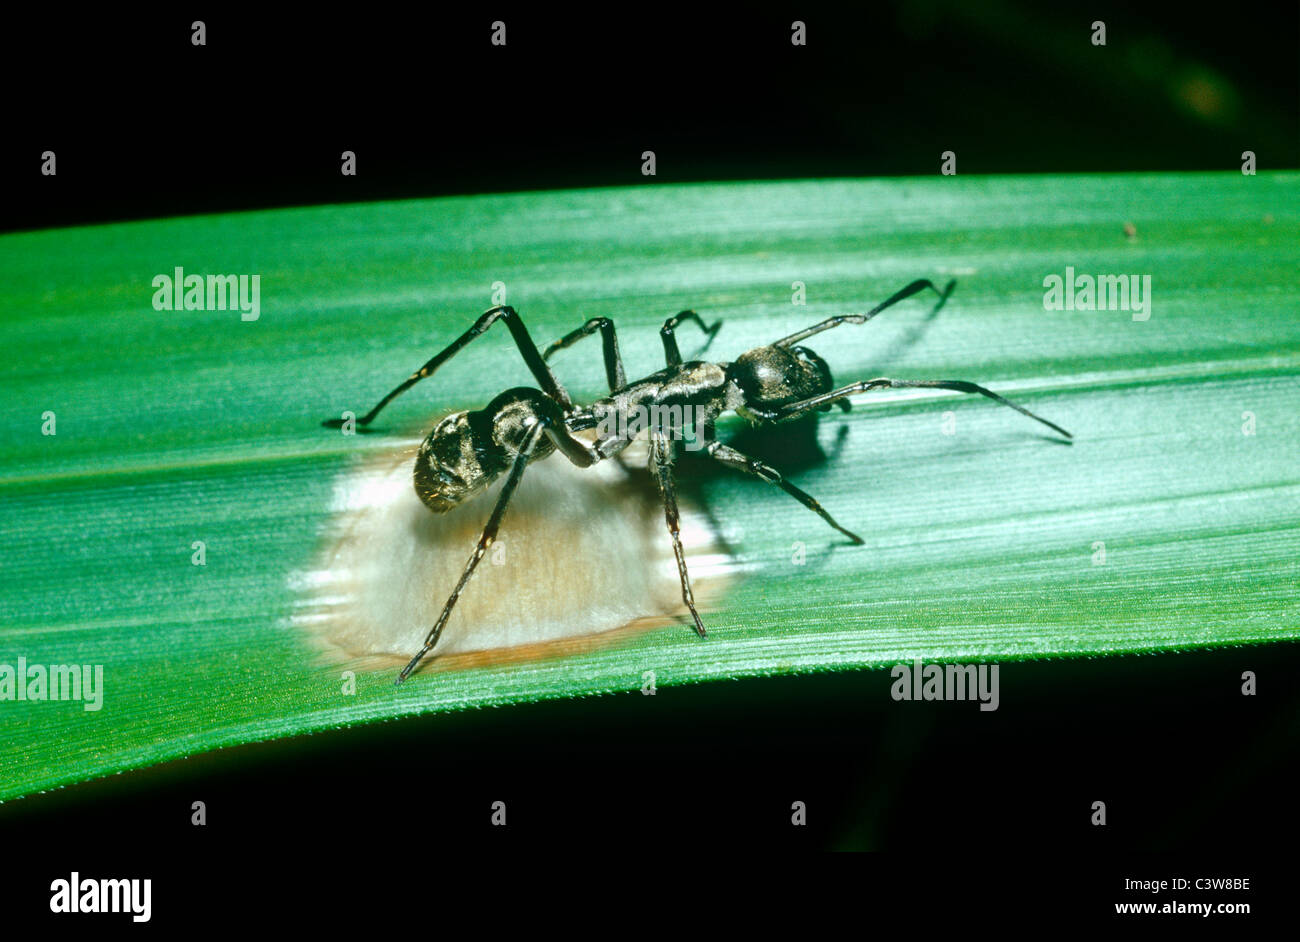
(796, 409)
(921, 284)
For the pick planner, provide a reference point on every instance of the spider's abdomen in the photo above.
(467, 451)
(449, 468)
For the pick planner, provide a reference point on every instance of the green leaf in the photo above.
(980, 544)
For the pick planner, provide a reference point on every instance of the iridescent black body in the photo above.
(467, 451)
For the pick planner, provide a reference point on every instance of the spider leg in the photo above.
(545, 378)
(661, 464)
(669, 337)
(921, 284)
(796, 409)
(742, 462)
(485, 540)
(613, 361)
(614, 373)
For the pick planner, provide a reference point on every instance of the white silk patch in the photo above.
(581, 554)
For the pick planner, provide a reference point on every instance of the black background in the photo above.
(146, 125)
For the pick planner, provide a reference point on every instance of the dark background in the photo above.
(146, 125)
(990, 811)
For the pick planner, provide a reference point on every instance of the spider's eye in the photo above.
(819, 369)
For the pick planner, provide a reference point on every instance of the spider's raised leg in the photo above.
(661, 464)
(485, 540)
(613, 361)
(545, 378)
(796, 409)
(921, 284)
(668, 334)
(742, 462)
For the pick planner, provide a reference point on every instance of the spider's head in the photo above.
(775, 376)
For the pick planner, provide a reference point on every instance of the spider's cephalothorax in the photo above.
(779, 382)
(771, 377)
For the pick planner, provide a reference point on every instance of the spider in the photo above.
(467, 451)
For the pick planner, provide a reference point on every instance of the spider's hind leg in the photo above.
(527, 349)
(661, 465)
(485, 540)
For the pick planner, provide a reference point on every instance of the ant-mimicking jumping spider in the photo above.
(467, 451)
